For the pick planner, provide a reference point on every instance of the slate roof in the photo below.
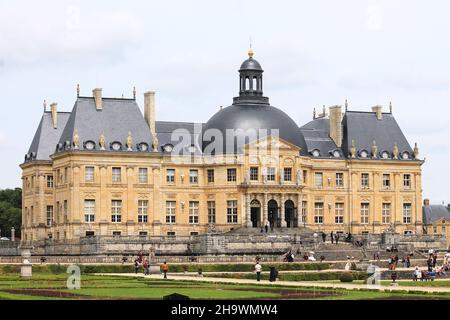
(190, 133)
(46, 137)
(317, 136)
(433, 213)
(364, 128)
(115, 120)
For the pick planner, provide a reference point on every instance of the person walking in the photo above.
(258, 269)
(337, 238)
(136, 266)
(324, 237)
(146, 267)
(165, 269)
(332, 237)
(266, 226)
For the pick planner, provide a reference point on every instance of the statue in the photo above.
(247, 177)
(374, 149)
(265, 175)
(76, 140)
(395, 151)
(155, 143)
(416, 151)
(129, 142)
(299, 177)
(102, 142)
(353, 150)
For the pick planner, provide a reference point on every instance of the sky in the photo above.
(314, 53)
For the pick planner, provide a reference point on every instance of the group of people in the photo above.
(266, 227)
(140, 262)
(258, 269)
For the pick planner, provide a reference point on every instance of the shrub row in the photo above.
(127, 268)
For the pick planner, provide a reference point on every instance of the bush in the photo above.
(57, 269)
(346, 277)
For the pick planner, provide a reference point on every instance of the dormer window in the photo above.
(89, 145)
(405, 155)
(67, 145)
(142, 147)
(336, 153)
(385, 155)
(315, 153)
(364, 154)
(116, 146)
(168, 148)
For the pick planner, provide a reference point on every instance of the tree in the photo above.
(10, 211)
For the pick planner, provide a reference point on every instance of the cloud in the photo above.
(65, 35)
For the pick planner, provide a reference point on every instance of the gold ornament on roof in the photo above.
(76, 140)
(130, 142)
(374, 149)
(416, 151)
(102, 142)
(251, 53)
(353, 150)
(395, 151)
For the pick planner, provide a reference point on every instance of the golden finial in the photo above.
(134, 93)
(251, 53)
(390, 107)
(395, 151)
(45, 105)
(374, 149)
(353, 150)
(78, 90)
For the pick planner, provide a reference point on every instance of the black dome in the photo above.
(256, 116)
(250, 64)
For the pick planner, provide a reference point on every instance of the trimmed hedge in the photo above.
(298, 276)
(128, 268)
(346, 277)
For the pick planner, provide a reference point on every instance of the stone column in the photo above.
(300, 223)
(249, 223)
(282, 213)
(265, 212)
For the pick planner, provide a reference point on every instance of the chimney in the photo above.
(426, 202)
(149, 110)
(97, 93)
(54, 110)
(336, 125)
(378, 111)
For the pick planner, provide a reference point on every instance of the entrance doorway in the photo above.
(272, 207)
(289, 213)
(255, 213)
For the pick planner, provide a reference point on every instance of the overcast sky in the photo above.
(314, 53)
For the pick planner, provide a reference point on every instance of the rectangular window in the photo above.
(89, 211)
(386, 181)
(444, 229)
(116, 175)
(339, 180)
(364, 180)
(407, 181)
(170, 175)
(339, 212)
(211, 212)
(435, 229)
(171, 234)
(170, 212)
(304, 211)
(210, 174)
(49, 215)
(194, 233)
(231, 175)
(90, 234)
(364, 213)
(232, 211)
(193, 176)
(89, 174)
(143, 234)
(287, 174)
(318, 213)
(318, 179)
(407, 213)
(143, 211)
(254, 174)
(386, 213)
(143, 175)
(193, 212)
(117, 233)
(50, 183)
(116, 211)
(66, 175)
(305, 176)
(270, 174)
